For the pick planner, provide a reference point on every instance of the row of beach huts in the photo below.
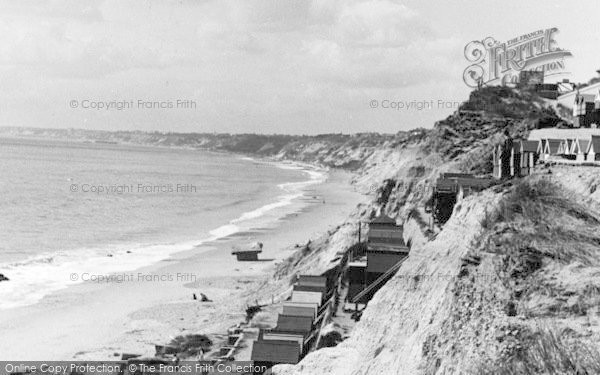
(314, 299)
(299, 323)
(570, 146)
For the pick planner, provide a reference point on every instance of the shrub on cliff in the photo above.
(490, 115)
(547, 352)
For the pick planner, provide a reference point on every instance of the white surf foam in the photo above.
(36, 277)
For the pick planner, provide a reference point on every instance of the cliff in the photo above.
(509, 285)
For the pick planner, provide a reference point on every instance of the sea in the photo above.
(74, 207)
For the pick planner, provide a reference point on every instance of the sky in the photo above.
(264, 66)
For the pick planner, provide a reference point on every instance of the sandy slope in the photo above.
(395, 327)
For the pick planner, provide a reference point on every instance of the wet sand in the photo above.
(154, 304)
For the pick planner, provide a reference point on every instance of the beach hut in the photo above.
(540, 147)
(272, 352)
(497, 162)
(307, 297)
(501, 160)
(448, 186)
(528, 150)
(568, 146)
(385, 245)
(248, 254)
(294, 324)
(381, 260)
(562, 147)
(515, 159)
(300, 309)
(580, 149)
(310, 288)
(383, 232)
(313, 281)
(551, 148)
(357, 277)
(277, 336)
(583, 110)
(593, 149)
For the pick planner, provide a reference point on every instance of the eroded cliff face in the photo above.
(402, 321)
(509, 285)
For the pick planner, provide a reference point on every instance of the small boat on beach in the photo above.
(249, 253)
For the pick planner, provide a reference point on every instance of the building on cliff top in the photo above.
(567, 100)
(593, 150)
(586, 110)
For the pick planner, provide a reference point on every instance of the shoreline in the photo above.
(140, 313)
(138, 256)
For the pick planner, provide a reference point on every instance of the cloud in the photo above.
(263, 61)
(379, 43)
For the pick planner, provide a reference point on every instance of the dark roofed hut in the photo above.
(314, 283)
(249, 254)
(385, 246)
(272, 352)
(383, 232)
(357, 278)
(593, 149)
(300, 309)
(551, 148)
(447, 188)
(528, 157)
(300, 325)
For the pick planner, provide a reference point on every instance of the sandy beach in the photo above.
(152, 305)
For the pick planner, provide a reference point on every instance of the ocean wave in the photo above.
(38, 276)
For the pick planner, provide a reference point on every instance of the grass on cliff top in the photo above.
(548, 352)
(546, 219)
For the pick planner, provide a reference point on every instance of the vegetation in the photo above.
(547, 351)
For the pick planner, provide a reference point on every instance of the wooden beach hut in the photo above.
(580, 149)
(541, 146)
(562, 147)
(515, 159)
(313, 283)
(502, 162)
(272, 352)
(385, 246)
(357, 278)
(310, 288)
(292, 327)
(300, 309)
(248, 254)
(551, 148)
(528, 157)
(383, 230)
(294, 324)
(307, 297)
(593, 149)
(449, 185)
